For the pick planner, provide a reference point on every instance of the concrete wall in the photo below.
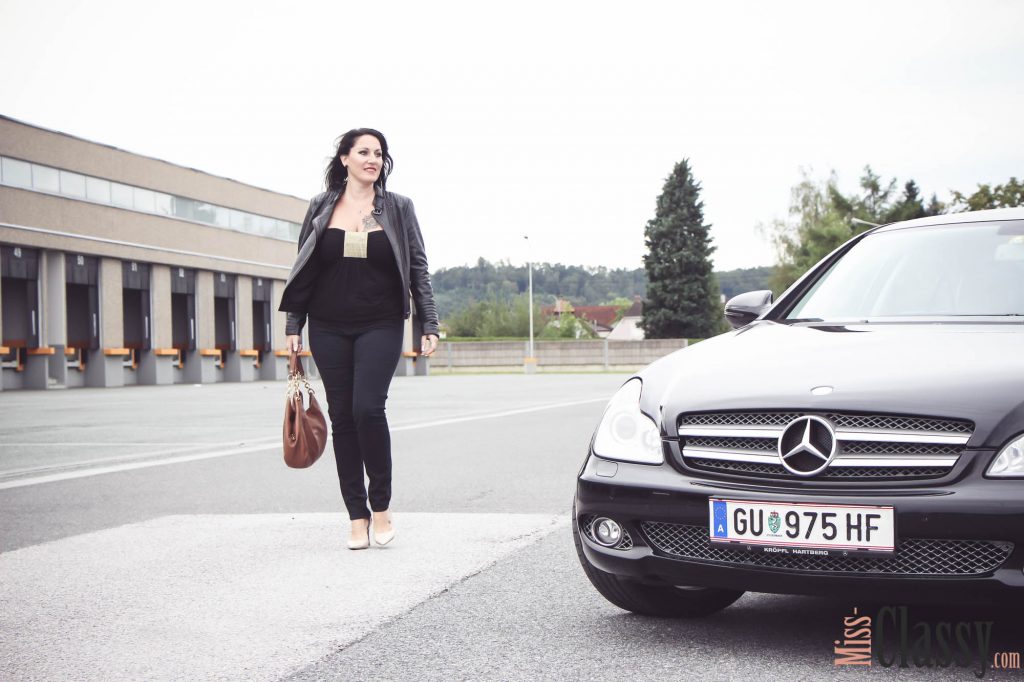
(61, 224)
(204, 310)
(160, 305)
(243, 313)
(111, 304)
(279, 318)
(54, 302)
(60, 150)
(599, 353)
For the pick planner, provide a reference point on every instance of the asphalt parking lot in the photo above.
(154, 533)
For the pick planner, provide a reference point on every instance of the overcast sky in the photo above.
(559, 120)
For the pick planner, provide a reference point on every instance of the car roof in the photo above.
(958, 218)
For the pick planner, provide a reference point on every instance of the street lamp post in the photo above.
(530, 363)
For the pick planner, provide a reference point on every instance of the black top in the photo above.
(355, 288)
(398, 218)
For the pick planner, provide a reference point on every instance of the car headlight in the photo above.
(625, 433)
(1010, 461)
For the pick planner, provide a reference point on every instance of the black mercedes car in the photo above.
(862, 435)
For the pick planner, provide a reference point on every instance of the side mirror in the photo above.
(743, 309)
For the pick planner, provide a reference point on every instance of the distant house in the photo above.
(628, 328)
(560, 308)
(600, 318)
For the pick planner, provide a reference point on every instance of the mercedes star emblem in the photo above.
(807, 445)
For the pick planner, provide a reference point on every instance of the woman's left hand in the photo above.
(428, 344)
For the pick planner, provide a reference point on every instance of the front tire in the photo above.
(665, 601)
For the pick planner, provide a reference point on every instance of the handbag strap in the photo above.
(295, 364)
(296, 375)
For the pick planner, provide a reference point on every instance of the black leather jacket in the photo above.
(395, 214)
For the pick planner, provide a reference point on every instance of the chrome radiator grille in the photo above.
(868, 446)
(842, 421)
(834, 473)
(913, 557)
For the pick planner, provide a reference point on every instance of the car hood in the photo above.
(973, 372)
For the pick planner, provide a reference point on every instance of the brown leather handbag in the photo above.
(305, 429)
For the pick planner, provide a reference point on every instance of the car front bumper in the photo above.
(959, 542)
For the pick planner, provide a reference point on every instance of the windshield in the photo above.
(942, 271)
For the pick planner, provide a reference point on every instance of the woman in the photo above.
(360, 256)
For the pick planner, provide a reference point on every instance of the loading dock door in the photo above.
(183, 309)
(261, 318)
(20, 296)
(224, 311)
(82, 294)
(135, 297)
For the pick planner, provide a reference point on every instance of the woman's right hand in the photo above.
(294, 343)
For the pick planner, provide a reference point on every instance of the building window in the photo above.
(144, 200)
(72, 184)
(45, 178)
(98, 190)
(205, 213)
(121, 195)
(183, 208)
(23, 174)
(220, 216)
(164, 203)
(266, 226)
(242, 221)
(16, 173)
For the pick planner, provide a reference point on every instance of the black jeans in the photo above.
(356, 363)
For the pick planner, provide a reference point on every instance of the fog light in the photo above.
(607, 532)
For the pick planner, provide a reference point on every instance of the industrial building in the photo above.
(122, 269)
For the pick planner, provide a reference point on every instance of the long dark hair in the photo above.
(336, 173)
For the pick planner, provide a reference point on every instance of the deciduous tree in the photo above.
(822, 218)
(1006, 195)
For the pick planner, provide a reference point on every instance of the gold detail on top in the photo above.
(355, 244)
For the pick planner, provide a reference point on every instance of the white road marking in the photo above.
(113, 469)
(230, 597)
(121, 458)
(493, 415)
(100, 444)
(270, 445)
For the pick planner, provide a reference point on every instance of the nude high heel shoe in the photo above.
(360, 544)
(385, 537)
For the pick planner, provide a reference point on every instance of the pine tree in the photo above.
(682, 293)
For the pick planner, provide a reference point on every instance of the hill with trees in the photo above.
(489, 299)
(459, 287)
(734, 282)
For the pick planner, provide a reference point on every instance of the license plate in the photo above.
(798, 528)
